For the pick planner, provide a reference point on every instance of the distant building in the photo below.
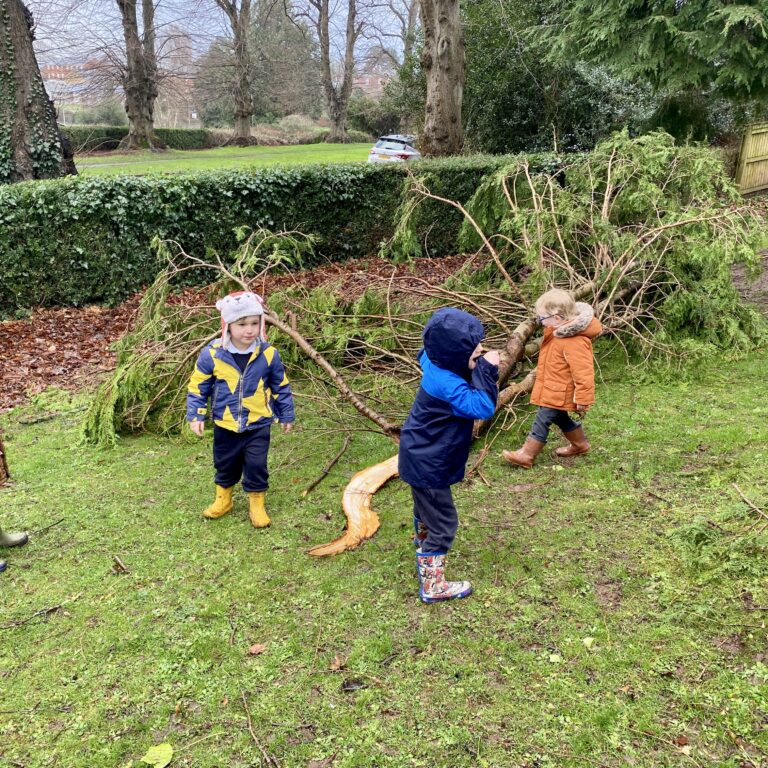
(371, 85)
(69, 87)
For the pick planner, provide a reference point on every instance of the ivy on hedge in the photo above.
(75, 240)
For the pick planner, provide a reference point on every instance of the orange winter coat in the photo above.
(565, 375)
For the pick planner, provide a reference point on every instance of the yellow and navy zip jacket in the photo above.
(239, 401)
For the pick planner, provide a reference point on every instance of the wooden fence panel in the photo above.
(752, 168)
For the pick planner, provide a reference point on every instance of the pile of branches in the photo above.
(644, 230)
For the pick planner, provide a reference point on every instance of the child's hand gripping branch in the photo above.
(458, 385)
(243, 376)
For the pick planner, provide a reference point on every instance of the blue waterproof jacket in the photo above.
(239, 401)
(435, 439)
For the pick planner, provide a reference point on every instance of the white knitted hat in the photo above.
(238, 305)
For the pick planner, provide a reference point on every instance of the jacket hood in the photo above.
(450, 336)
(582, 323)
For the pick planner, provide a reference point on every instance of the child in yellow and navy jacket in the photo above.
(242, 375)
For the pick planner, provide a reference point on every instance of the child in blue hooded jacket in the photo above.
(459, 384)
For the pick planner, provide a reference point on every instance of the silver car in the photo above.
(394, 148)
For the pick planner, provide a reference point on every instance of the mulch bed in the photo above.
(70, 347)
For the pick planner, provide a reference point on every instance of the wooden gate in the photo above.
(752, 168)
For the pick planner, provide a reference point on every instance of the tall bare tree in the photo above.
(336, 75)
(239, 17)
(140, 79)
(393, 33)
(31, 146)
(443, 63)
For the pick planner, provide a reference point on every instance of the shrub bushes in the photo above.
(90, 138)
(77, 240)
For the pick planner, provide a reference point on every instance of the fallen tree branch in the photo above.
(362, 521)
(387, 427)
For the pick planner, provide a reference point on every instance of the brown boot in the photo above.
(577, 443)
(524, 457)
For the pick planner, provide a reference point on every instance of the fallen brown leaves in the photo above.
(71, 347)
(64, 347)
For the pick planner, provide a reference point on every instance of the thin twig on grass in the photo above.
(232, 624)
(43, 612)
(749, 503)
(328, 468)
(48, 527)
(268, 760)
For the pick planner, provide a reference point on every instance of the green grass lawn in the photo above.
(618, 617)
(174, 160)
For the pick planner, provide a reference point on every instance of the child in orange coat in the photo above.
(565, 375)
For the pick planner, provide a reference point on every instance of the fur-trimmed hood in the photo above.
(581, 324)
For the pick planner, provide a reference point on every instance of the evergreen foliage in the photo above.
(686, 44)
(516, 100)
(78, 240)
(645, 214)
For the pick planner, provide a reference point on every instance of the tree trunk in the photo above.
(337, 97)
(443, 63)
(240, 22)
(31, 146)
(140, 78)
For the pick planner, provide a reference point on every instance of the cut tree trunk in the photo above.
(442, 60)
(31, 145)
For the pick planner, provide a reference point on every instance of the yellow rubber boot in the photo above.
(221, 505)
(257, 511)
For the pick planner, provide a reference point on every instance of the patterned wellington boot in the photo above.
(221, 505)
(257, 510)
(3, 565)
(433, 586)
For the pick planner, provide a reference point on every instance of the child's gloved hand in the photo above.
(198, 427)
(286, 427)
(581, 408)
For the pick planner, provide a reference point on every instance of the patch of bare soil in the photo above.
(608, 593)
(755, 291)
(71, 347)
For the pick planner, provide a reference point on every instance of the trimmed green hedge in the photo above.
(77, 240)
(90, 138)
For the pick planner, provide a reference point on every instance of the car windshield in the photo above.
(397, 145)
